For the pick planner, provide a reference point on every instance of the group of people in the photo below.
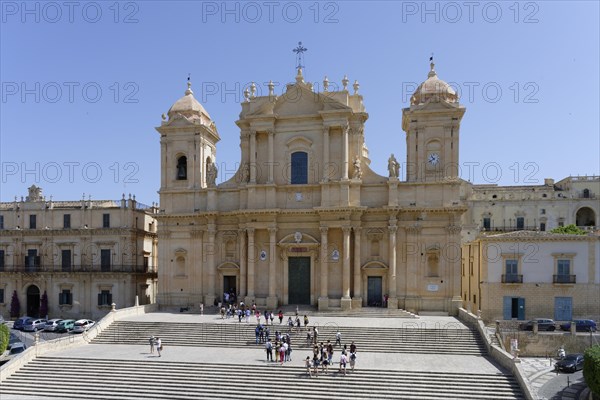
(323, 357)
(155, 343)
(282, 348)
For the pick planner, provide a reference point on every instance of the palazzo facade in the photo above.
(305, 220)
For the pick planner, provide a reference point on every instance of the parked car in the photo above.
(82, 325)
(17, 348)
(19, 323)
(52, 324)
(544, 324)
(571, 363)
(581, 325)
(65, 325)
(34, 325)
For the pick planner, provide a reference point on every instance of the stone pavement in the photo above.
(550, 385)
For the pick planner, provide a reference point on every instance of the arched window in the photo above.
(586, 193)
(299, 168)
(182, 168)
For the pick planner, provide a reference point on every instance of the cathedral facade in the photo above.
(305, 220)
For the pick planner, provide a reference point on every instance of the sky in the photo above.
(84, 84)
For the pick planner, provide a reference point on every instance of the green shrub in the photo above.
(4, 334)
(591, 368)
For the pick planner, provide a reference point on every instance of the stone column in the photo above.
(323, 284)
(272, 299)
(357, 299)
(345, 152)
(253, 156)
(346, 301)
(325, 154)
(251, 260)
(271, 157)
(242, 288)
(210, 296)
(164, 167)
(412, 267)
(454, 268)
(393, 297)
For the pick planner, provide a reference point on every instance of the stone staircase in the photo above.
(231, 333)
(70, 378)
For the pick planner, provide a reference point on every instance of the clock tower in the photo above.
(432, 125)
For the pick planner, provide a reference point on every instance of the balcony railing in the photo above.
(512, 278)
(79, 268)
(506, 228)
(563, 279)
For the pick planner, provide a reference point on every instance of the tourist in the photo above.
(271, 317)
(280, 315)
(201, 308)
(290, 323)
(158, 343)
(329, 352)
(282, 352)
(222, 312)
(247, 315)
(297, 323)
(352, 348)
(324, 364)
(257, 332)
(338, 338)
(269, 349)
(343, 361)
(308, 338)
(288, 351)
(308, 366)
(316, 365)
(257, 314)
(266, 317)
(240, 315)
(315, 334)
(352, 360)
(305, 322)
(152, 344)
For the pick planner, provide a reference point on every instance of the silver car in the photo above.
(52, 324)
(34, 325)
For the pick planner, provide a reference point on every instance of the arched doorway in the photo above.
(33, 301)
(585, 217)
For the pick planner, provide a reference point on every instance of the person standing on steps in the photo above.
(338, 338)
(343, 361)
(352, 360)
(269, 349)
(305, 321)
(158, 345)
(152, 344)
(308, 366)
(280, 315)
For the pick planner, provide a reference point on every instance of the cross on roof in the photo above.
(299, 54)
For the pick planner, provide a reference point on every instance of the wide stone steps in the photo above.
(62, 377)
(234, 334)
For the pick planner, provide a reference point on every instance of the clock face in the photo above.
(433, 159)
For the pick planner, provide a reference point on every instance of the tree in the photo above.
(591, 369)
(4, 335)
(569, 230)
(44, 305)
(15, 306)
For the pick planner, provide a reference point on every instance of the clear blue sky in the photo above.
(59, 132)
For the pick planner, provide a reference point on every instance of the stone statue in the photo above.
(357, 172)
(211, 173)
(245, 173)
(393, 167)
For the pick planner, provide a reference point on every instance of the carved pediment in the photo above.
(300, 100)
(298, 238)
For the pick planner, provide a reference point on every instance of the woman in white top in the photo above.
(158, 345)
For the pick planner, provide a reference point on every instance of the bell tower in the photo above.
(187, 151)
(432, 125)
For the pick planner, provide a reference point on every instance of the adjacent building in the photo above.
(84, 255)
(532, 274)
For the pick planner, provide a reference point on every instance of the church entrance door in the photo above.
(299, 280)
(374, 295)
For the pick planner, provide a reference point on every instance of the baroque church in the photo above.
(305, 220)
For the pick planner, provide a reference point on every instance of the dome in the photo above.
(433, 89)
(187, 106)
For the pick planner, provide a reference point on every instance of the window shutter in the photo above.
(99, 299)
